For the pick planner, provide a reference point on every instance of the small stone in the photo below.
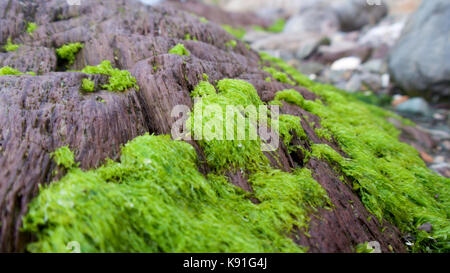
(311, 68)
(374, 66)
(427, 227)
(347, 63)
(385, 80)
(438, 116)
(426, 157)
(416, 106)
(354, 84)
(439, 159)
(398, 99)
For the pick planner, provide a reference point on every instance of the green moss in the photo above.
(227, 152)
(364, 248)
(31, 27)
(119, 80)
(179, 49)
(204, 88)
(291, 96)
(64, 157)
(236, 32)
(276, 27)
(10, 46)
(6, 70)
(390, 177)
(68, 52)
(189, 38)
(203, 20)
(289, 124)
(155, 200)
(231, 43)
(88, 85)
(323, 133)
(278, 75)
(205, 77)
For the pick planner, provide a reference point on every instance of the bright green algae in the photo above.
(31, 27)
(68, 52)
(88, 85)
(390, 177)
(276, 27)
(155, 200)
(239, 33)
(64, 157)
(224, 153)
(179, 49)
(6, 70)
(10, 46)
(119, 80)
(278, 75)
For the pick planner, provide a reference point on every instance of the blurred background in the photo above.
(391, 53)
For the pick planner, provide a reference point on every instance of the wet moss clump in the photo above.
(276, 27)
(239, 33)
(64, 157)
(179, 49)
(68, 52)
(231, 44)
(31, 27)
(10, 46)
(278, 75)
(222, 143)
(6, 70)
(88, 85)
(119, 80)
(155, 200)
(391, 179)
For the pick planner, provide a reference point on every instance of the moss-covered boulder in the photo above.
(89, 157)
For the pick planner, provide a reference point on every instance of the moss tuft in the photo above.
(119, 80)
(179, 49)
(31, 27)
(10, 46)
(276, 27)
(6, 70)
(291, 96)
(236, 32)
(64, 157)
(88, 85)
(68, 52)
(278, 75)
(231, 43)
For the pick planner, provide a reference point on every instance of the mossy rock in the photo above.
(122, 183)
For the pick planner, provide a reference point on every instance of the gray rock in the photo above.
(347, 63)
(442, 169)
(309, 68)
(354, 84)
(354, 14)
(315, 19)
(372, 81)
(375, 66)
(416, 106)
(419, 63)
